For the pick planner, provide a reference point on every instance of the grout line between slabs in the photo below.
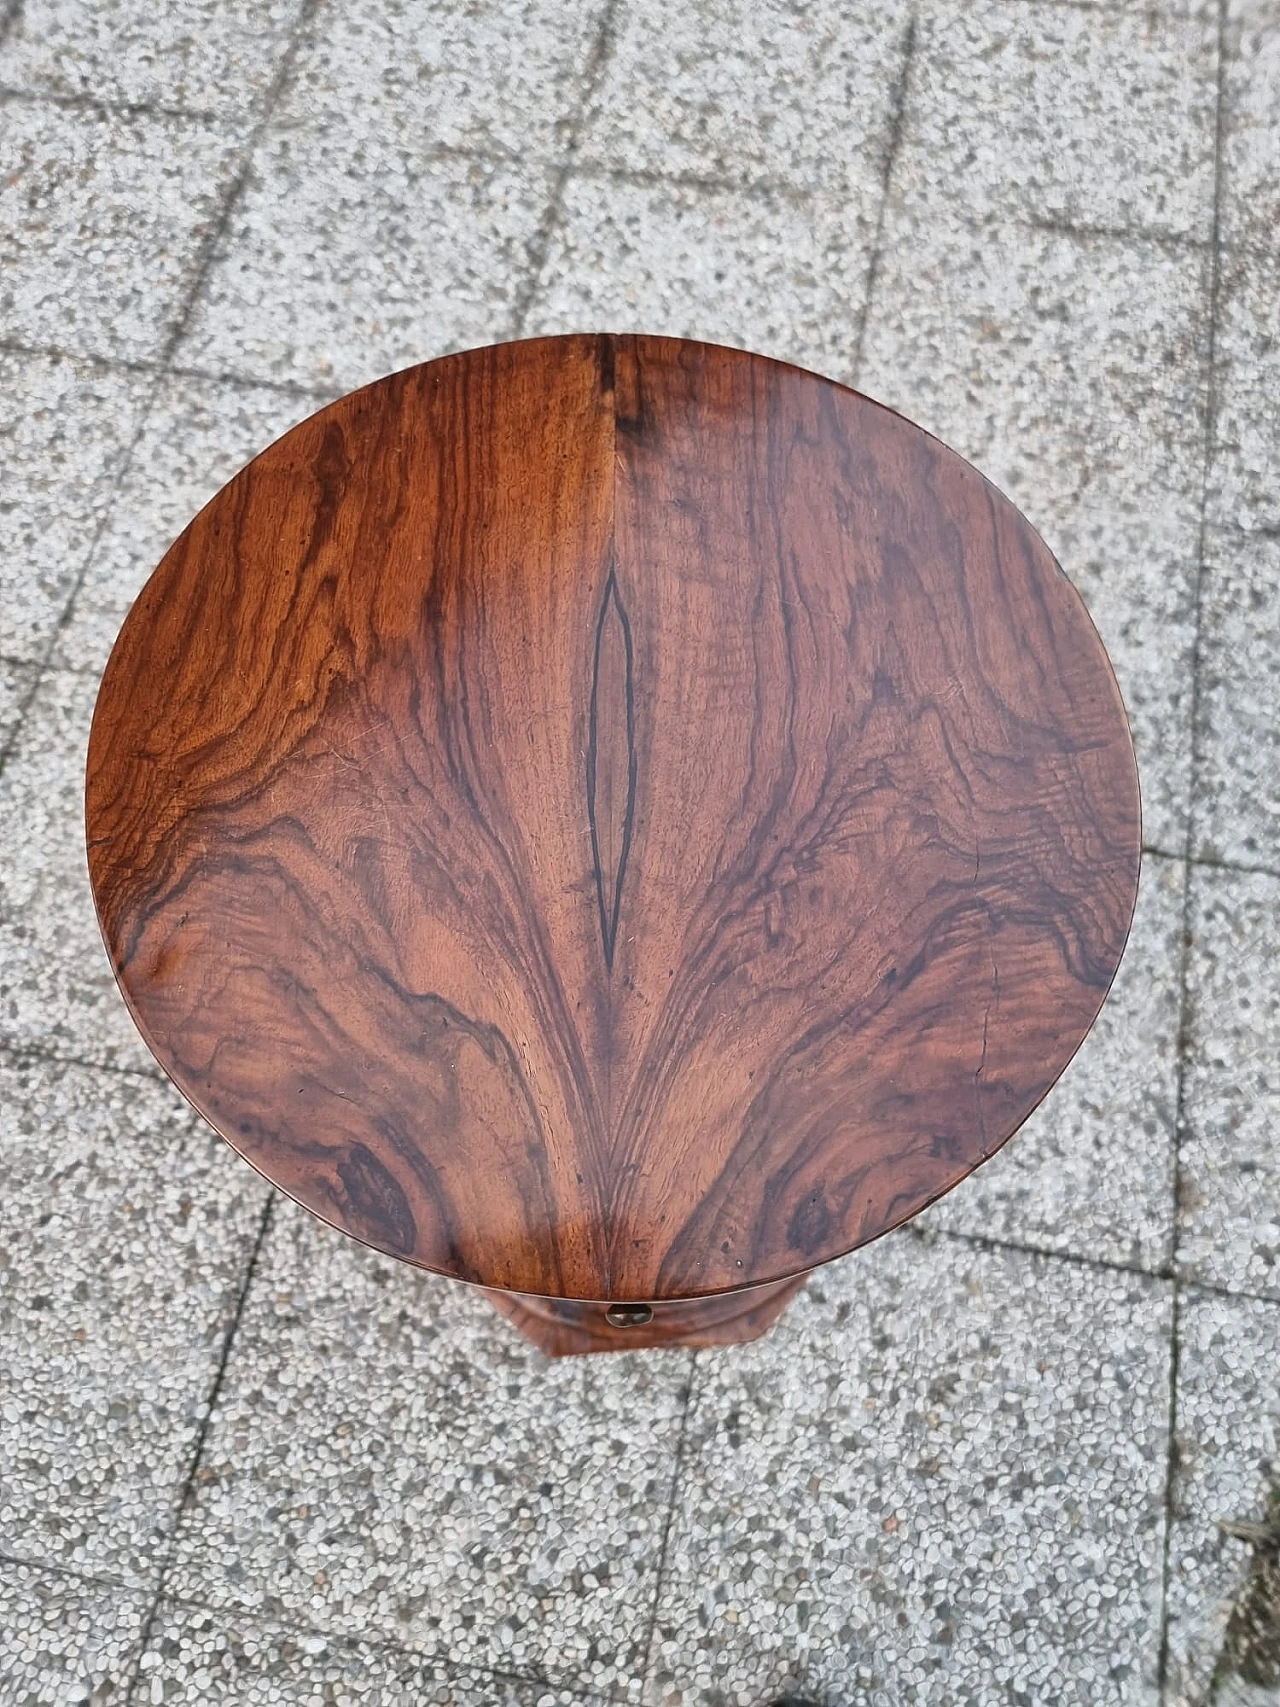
(42, 665)
(322, 394)
(17, 1053)
(664, 1545)
(1174, 242)
(71, 101)
(204, 259)
(199, 272)
(202, 1435)
(1074, 1259)
(1091, 7)
(1184, 980)
(892, 149)
(52, 1567)
(172, 370)
(704, 183)
(440, 1662)
(1201, 863)
(1164, 1275)
(540, 243)
(93, 671)
(1213, 862)
(213, 237)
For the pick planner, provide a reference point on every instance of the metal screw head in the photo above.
(628, 1315)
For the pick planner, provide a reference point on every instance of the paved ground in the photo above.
(985, 1461)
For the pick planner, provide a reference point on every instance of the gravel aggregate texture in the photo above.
(1019, 1455)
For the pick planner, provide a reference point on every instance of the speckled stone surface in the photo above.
(1095, 119)
(779, 273)
(1244, 483)
(198, 433)
(125, 1234)
(1069, 370)
(1238, 812)
(196, 1657)
(1230, 1207)
(65, 429)
(1091, 1172)
(749, 92)
(1251, 133)
(202, 56)
(101, 220)
(503, 77)
(16, 682)
(369, 238)
(391, 1459)
(1228, 1468)
(65, 1642)
(940, 1479)
(56, 988)
(346, 261)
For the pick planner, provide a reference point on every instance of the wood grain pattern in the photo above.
(612, 817)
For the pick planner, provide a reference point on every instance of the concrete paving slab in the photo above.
(1228, 1472)
(126, 1228)
(65, 431)
(390, 1460)
(1244, 480)
(1096, 118)
(502, 76)
(1229, 1213)
(750, 92)
(1251, 130)
(65, 1642)
(939, 1480)
(1238, 776)
(102, 216)
(57, 992)
(16, 680)
(212, 1659)
(202, 56)
(343, 263)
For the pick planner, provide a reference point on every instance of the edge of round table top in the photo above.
(612, 817)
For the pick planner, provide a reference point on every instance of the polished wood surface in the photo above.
(612, 818)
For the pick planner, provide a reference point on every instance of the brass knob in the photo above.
(628, 1315)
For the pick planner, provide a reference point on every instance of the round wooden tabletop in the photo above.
(612, 817)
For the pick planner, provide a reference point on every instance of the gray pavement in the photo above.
(984, 1461)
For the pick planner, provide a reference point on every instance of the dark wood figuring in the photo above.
(612, 818)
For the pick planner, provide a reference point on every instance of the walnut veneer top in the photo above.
(612, 817)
